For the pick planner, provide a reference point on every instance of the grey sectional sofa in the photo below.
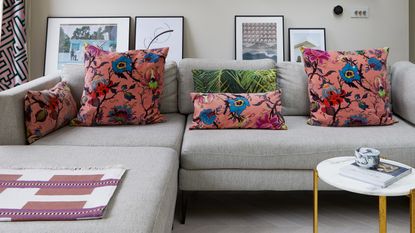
(210, 160)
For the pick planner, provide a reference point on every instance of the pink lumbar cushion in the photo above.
(48, 110)
(232, 111)
(122, 88)
(348, 88)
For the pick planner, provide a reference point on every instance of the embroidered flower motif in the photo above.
(122, 64)
(207, 116)
(267, 122)
(238, 105)
(375, 64)
(100, 87)
(350, 73)
(316, 55)
(152, 58)
(121, 114)
(153, 84)
(205, 98)
(356, 120)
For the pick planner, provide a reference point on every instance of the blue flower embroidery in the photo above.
(122, 65)
(152, 58)
(207, 116)
(350, 73)
(375, 64)
(238, 105)
(356, 120)
(121, 114)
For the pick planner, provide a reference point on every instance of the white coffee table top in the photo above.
(328, 171)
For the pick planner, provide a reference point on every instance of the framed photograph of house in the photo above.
(305, 37)
(66, 38)
(160, 31)
(259, 37)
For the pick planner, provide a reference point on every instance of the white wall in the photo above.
(209, 24)
(412, 29)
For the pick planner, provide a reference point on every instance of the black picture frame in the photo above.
(47, 69)
(290, 37)
(279, 36)
(174, 54)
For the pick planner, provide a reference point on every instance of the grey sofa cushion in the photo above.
(403, 86)
(143, 203)
(74, 74)
(185, 78)
(12, 126)
(166, 134)
(300, 147)
(293, 82)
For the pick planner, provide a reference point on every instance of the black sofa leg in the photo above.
(185, 200)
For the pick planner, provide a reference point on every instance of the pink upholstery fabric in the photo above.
(122, 88)
(249, 111)
(348, 88)
(48, 110)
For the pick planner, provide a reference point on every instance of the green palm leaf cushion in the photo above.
(235, 81)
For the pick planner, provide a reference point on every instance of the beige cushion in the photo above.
(300, 147)
(143, 203)
(167, 134)
(403, 86)
(293, 81)
(74, 74)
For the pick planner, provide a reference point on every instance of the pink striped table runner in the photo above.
(68, 194)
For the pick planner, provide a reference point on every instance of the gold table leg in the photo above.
(412, 211)
(315, 192)
(382, 214)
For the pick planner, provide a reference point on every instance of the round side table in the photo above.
(329, 172)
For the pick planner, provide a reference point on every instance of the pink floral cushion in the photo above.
(348, 88)
(48, 110)
(122, 88)
(249, 111)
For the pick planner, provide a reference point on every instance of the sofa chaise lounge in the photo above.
(165, 157)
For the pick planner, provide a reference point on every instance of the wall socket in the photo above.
(360, 12)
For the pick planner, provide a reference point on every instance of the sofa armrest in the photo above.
(12, 126)
(403, 90)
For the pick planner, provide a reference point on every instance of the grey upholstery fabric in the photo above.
(185, 78)
(247, 180)
(144, 202)
(12, 128)
(403, 90)
(166, 134)
(74, 74)
(293, 82)
(300, 147)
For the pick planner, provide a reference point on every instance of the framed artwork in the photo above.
(160, 31)
(259, 37)
(305, 37)
(66, 38)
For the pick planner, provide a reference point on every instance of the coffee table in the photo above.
(328, 171)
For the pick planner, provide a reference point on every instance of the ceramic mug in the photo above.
(367, 157)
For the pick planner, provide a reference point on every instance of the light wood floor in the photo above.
(289, 212)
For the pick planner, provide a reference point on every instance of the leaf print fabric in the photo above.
(122, 88)
(48, 110)
(348, 88)
(233, 111)
(235, 81)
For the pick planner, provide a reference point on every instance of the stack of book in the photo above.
(382, 176)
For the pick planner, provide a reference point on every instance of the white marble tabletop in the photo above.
(329, 172)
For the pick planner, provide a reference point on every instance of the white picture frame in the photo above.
(66, 37)
(259, 37)
(160, 31)
(307, 37)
